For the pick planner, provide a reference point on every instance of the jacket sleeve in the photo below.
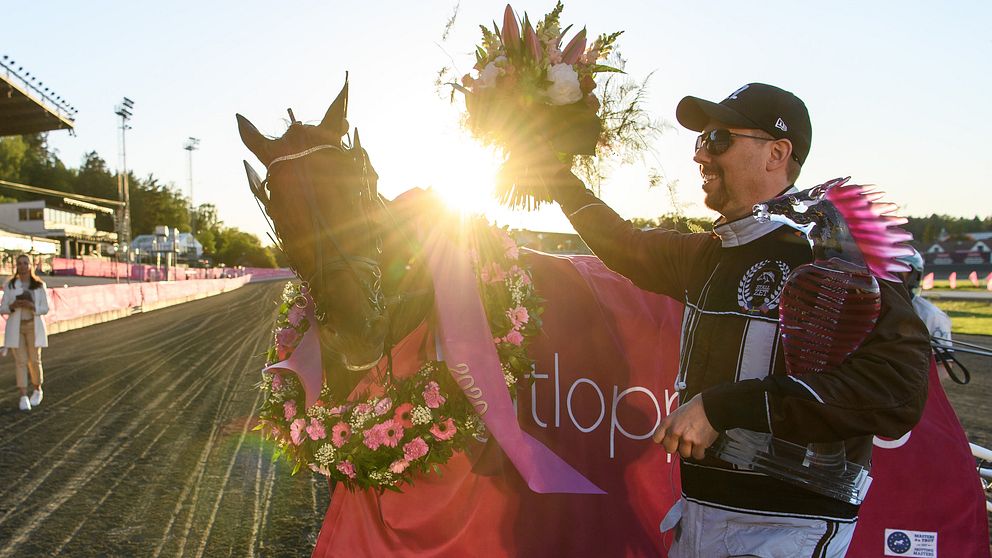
(41, 300)
(880, 389)
(8, 297)
(655, 260)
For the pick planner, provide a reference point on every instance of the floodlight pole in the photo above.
(123, 189)
(191, 146)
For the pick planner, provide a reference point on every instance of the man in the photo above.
(732, 370)
(937, 321)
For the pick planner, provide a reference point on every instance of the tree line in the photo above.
(28, 160)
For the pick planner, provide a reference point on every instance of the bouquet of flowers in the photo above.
(528, 89)
(410, 425)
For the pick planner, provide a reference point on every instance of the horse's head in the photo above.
(797, 209)
(321, 196)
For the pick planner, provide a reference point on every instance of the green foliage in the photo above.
(967, 316)
(928, 229)
(28, 160)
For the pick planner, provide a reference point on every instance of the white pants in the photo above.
(707, 532)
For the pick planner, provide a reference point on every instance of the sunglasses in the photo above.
(718, 141)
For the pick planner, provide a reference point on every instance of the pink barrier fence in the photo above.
(71, 303)
(143, 272)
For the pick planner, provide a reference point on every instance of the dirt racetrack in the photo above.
(143, 445)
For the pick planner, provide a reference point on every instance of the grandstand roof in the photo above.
(26, 108)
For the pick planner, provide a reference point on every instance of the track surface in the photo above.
(144, 446)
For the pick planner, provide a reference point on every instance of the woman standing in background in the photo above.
(24, 303)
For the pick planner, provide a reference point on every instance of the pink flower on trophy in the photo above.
(383, 405)
(514, 337)
(399, 466)
(403, 415)
(444, 430)
(287, 337)
(276, 381)
(289, 409)
(316, 430)
(391, 432)
(340, 434)
(295, 315)
(432, 395)
(414, 449)
(296, 431)
(518, 316)
(347, 469)
(373, 437)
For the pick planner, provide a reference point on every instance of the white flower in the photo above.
(421, 415)
(488, 75)
(325, 454)
(564, 89)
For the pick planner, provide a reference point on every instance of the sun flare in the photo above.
(466, 185)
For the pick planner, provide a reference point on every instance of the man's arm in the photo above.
(879, 389)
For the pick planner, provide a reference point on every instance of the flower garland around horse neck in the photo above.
(416, 423)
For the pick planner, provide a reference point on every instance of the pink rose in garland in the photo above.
(399, 466)
(316, 430)
(414, 449)
(444, 430)
(432, 395)
(514, 338)
(340, 434)
(289, 409)
(347, 469)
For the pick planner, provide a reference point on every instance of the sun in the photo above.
(466, 182)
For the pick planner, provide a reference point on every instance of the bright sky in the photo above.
(898, 91)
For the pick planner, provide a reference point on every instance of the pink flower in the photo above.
(337, 410)
(444, 430)
(340, 434)
(296, 431)
(295, 315)
(373, 437)
(514, 337)
(347, 469)
(512, 251)
(492, 273)
(289, 409)
(432, 395)
(399, 466)
(276, 382)
(392, 433)
(518, 316)
(316, 430)
(320, 470)
(362, 408)
(383, 405)
(516, 271)
(402, 415)
(414, 449)
(287, 337)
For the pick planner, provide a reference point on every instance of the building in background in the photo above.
(166, 247)
(75, 231)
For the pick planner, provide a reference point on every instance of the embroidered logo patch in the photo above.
(760, 288)
(899, 542)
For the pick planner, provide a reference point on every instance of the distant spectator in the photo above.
(936, 320)
(24, 303)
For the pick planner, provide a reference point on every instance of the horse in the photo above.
(344, 243)
(605, 363)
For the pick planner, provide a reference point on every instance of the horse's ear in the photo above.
(336, 118)
(357, 144)
(255, 183)
(254, 140)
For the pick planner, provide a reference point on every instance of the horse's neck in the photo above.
(406, 281)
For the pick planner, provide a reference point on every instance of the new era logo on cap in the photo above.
(780, 124)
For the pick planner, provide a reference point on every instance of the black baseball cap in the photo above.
(757, 106)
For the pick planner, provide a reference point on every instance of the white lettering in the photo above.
(533, 397)
(602, 404)
(615, 425)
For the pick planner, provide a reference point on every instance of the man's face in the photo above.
(733, 180)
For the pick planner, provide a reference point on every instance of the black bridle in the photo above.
(365, 271)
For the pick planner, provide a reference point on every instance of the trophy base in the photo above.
(819, 468)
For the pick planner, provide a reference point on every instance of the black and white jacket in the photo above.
(730, 281)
